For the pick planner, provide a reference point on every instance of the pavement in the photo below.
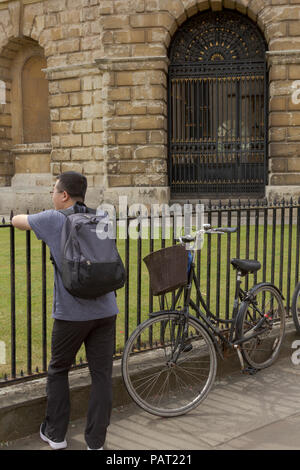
(242, 412)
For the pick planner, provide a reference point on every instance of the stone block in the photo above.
(128, 37)
(294, 69)
(92, 168)
(279, 119)
(68, 45)
(285, 179)
(294, 29)
(119, 180)
(293, 134)
(152, 92)
(131, 78)
(114, 22)
(71, 140)
(68, 85)
(150, 151)
(70, 113)
(278, 165)
(148, 122)
(129, 108)
(82, 126)
(60, 155)
(133, 137)
(60, 127)
(92, 139)
(98, 125)
(119, 123)
(293, 164)
(284, 149)
(82, 153)
(69, 16)
(80, 98)
(58, 101)
(121, 93)
(71, 166)
(277, 103)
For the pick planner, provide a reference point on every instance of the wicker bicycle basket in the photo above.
(167, 269)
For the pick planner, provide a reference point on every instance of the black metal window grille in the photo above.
(217, 107)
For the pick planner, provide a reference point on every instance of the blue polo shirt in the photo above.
(47, 226)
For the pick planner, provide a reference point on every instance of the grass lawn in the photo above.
(216, 259)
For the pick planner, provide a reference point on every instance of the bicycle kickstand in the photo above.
(245, 370)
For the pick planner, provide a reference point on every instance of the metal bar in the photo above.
(126, 293)
(44, 306)
(281, 245)
(247, 238)
(297, 244)
(265, 242)
(13, 299)
(208, 259)
(256, 236)
(29, 319)
(218, 283)
(227, 311)
(273, 245)
(288, 294)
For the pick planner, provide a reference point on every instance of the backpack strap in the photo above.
(78, 207)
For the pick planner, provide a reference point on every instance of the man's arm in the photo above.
(21, 222)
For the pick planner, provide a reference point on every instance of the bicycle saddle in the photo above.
(246, 265)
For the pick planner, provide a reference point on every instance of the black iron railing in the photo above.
(267, 232)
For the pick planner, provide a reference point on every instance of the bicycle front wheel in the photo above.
(262, 350)
(296, 307)
(164, 376)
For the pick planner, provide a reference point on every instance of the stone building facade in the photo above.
(84, 86)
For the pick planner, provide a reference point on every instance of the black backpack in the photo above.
(90, 266)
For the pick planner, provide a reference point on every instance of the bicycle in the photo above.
(169, 362)
(296, 307)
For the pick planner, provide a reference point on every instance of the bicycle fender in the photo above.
(162, 312)
(261, 284)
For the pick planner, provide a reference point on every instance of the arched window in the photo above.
(36, 117)
(217, 106)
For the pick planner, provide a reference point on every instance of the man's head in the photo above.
(69, 188)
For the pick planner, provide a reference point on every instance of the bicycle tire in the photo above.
(152, 382)
(296, 307)
(260, 352)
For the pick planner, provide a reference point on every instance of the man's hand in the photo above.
(21, 222)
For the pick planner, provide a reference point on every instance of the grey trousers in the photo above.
(67, 338)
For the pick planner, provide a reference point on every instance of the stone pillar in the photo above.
(135, 128)
(284, 122)
(76, 124)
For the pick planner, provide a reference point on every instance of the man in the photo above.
(76, 321)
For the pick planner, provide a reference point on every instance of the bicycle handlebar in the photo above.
(208, 230)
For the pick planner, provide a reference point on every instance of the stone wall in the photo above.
(107, 69)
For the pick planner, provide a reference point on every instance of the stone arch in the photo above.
(16, 155)
(180, 10)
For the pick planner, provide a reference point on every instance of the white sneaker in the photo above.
(54, 444)
(101, 448)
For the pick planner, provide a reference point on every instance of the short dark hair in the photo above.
(75, 184)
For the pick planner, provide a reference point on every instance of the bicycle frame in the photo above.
(208, 318)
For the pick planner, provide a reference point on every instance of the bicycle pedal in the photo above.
(249, 370)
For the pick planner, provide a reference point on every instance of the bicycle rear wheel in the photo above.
(263, 350)
(296, 307)
(161, 379)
